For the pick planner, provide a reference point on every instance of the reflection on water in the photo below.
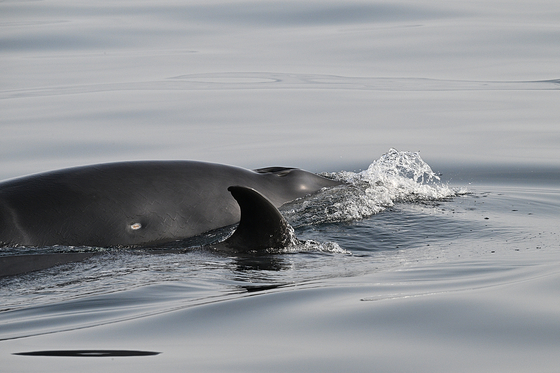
(88, 353)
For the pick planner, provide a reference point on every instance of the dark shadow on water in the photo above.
(256, 262)
(88, 353)
(258, 288)
(21, 264)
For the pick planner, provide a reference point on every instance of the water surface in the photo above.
(399, 271)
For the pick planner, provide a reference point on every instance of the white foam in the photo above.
(397, 176)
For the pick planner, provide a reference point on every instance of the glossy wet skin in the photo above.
(136, 203)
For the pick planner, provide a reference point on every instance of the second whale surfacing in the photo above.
(142, 203)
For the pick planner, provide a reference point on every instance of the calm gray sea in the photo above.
(441, 254)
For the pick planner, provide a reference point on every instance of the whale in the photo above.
(261, 227)
(138, 203)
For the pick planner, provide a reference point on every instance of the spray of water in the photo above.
(397, 176)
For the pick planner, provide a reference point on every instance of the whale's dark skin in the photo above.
(141, 203)
(261, 227)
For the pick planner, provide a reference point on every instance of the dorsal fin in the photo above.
(261, 225)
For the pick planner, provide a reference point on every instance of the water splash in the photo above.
(397, 176)
(295, 245)
(327, 247)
